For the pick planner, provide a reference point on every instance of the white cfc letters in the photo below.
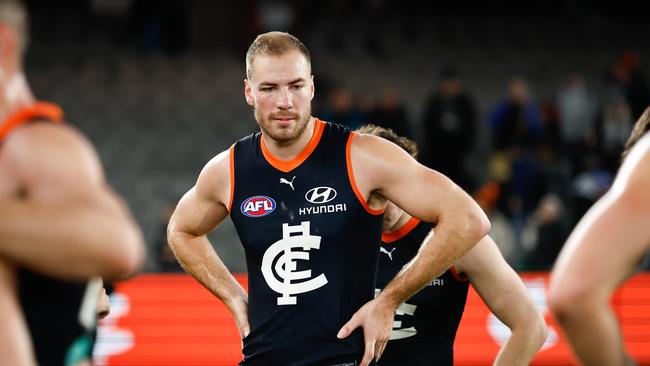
(285, 266)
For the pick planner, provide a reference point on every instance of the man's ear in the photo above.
(248, 93)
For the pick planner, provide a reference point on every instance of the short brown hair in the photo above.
(408, 145)
(640, 128)
(14, 15)
(274, 44)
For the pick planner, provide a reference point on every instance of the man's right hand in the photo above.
(240, 313)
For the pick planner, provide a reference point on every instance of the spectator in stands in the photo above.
(613, 125)
(515, 121)
(450, 124)
(341, 108)
(544, 234)
(626, 76)
(391, 113)
(589, 185)
(576, 113)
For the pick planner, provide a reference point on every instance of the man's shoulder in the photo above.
(42, 139)
(46, 133)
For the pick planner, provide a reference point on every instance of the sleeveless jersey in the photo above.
(425, 325)
(60, 315)
(311, 246)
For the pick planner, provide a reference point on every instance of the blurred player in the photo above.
(307, 197)
(606, 247)
(61, 227)
(426, 324)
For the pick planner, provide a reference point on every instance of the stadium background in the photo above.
(157, 86)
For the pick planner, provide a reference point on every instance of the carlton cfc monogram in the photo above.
(285, 267)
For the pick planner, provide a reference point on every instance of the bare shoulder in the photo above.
(377, 159)
(215, 178)
(371, 147)
(53, 153)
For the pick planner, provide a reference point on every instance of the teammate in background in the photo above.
(307, 197)
(60, 224)
(426, 324)
(606, 247)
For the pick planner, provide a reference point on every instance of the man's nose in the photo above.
(285, 99)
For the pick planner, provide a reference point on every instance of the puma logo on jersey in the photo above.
(389, 254)
(290, 183)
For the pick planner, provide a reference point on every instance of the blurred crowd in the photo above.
(547, 160)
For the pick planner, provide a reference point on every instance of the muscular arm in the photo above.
(62, 219)
(199, 212)
(505, 294)
(603, 250)
(383, 171)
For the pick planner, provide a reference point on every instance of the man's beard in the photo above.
(283, 135)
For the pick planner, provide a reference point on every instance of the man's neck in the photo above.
(15, 95)
(288, 150)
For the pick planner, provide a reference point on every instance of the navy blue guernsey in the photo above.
(425, 325)
(311, 245)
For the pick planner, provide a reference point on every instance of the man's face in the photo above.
(280, 91)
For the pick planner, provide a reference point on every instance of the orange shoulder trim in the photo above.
(48, 111)
(232, 176)
(353, 183)
(401, 232)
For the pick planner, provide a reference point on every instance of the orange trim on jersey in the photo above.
(457, 275)
(353, 183)
(232, 176)
(287, 166)
(401, 232)
(48, 111)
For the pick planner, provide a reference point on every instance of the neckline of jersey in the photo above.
(287, 166)
(401, 232)
(46, 110)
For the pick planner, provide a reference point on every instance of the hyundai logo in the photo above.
(320, 195)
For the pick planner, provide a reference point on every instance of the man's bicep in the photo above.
(389, 172)
(197, 214)
(430, 193)
(204, 206)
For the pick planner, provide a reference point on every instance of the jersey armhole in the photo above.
(232, 177)
(353, 184)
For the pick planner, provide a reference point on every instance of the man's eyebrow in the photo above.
(295, 81)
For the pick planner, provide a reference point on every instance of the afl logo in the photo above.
(258, 206)
(320, 195)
